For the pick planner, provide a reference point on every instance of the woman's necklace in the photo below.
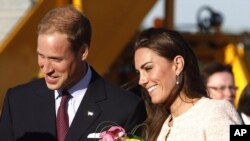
(170, 124)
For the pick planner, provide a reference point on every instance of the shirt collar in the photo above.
(245, 118)
(80, 85)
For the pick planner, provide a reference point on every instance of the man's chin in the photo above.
(52, 87)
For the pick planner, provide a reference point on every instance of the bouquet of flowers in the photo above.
(115, 132)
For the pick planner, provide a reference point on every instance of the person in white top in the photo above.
(177, 104)
(244, 104)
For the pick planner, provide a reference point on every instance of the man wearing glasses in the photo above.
(219, 80)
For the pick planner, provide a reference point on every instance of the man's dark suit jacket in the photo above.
(29, 111)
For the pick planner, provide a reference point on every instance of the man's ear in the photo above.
(84, 51)
(179, 64)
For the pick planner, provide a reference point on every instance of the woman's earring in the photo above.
(177, 80)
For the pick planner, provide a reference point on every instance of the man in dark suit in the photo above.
(31, 110)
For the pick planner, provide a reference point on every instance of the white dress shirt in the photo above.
(245, 119)
(77, 92)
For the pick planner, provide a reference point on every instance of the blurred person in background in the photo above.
(244, 105)
(219, 81)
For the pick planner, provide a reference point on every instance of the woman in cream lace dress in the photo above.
(176, 99)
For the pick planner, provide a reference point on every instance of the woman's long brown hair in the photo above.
(168, 44)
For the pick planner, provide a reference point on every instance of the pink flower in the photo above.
(115, 133)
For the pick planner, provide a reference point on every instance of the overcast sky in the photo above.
(236, 14)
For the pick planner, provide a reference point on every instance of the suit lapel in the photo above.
(45, 110)
(88, 110)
